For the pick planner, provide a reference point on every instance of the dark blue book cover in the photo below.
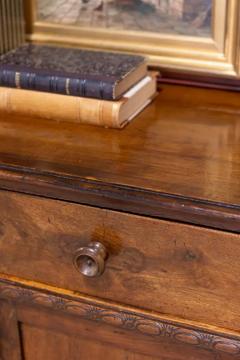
(68, 71)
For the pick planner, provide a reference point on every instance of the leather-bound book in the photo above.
(112, 114)
(68, 71)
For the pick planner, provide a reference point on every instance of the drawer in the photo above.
(185, 271)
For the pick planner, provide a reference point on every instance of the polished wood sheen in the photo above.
(182, 270)
(151, 212)
(179, 159)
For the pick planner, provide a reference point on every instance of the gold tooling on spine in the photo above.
(67, 87)
(18, 80)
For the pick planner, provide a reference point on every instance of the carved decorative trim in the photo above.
(128, 320)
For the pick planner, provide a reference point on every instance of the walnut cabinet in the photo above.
(123, 244)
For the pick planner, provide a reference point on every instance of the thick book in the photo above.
(76, 72)
(112, 114)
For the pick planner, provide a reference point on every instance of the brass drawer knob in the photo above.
(90, 260)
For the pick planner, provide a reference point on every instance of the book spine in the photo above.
(60, 108)
(56, 84)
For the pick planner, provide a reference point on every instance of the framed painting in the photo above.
(195, 35)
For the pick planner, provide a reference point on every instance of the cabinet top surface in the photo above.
(181, 155)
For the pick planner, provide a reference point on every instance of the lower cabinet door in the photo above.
(36, 334)
(38, 325)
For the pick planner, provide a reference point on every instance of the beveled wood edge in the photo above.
(120, 198)
(214, 340)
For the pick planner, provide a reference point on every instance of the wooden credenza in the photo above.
(151, 212)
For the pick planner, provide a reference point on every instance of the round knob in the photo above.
(90, 260)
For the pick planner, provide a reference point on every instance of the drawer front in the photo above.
(181, 270)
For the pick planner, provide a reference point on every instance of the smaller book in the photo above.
(74, 72)
(112, 114)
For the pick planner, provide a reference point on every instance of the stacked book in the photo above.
(91, 87)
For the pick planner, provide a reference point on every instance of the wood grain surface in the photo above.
(53, 321)
(10, 347)
(57, 346)
(170, 289)
(182, 270)
(179, 159)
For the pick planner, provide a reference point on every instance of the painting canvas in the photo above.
(182, 17)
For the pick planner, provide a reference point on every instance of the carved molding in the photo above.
(91, 192)
(128, 320)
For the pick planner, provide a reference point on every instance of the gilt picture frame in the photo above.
(217, 53)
